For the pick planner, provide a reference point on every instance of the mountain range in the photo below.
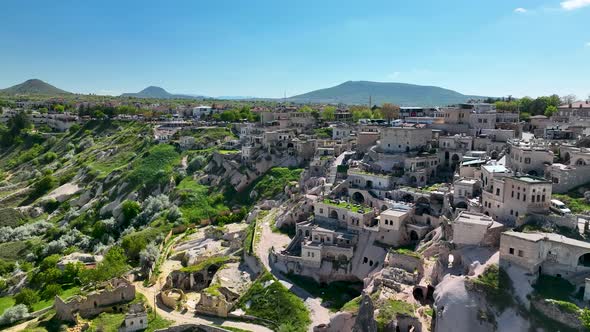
(33, 87)
(351, 92)
(403, 94)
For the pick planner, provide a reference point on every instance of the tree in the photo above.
(149, 255)
(329, 113)
(130, 210)
(27, 297)
(390, 111)
(113, 265)
(568, 99)
(59, 108)
(550, 110)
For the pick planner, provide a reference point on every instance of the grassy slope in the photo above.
(276, 303)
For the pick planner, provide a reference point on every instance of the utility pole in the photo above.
(370, 102)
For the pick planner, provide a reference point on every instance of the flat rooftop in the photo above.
(530, 179)
(474, 218)
(538, 236)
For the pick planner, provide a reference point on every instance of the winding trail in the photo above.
(268, 239)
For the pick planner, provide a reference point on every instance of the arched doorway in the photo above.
(566, 158)
(461, 205)
(584, 260)
(532, 173)
(414, 236)
(408, 198)
(358, 197)
(334, 214)
(494, 154)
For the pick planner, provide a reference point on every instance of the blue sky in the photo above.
(264, 48)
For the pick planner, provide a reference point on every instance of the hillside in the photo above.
(158, 93)
(33, 87)
(358, 92)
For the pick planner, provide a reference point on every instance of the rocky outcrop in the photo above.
(557, 312)
(365, 322)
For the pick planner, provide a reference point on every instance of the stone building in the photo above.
(471, 228)
(507, 198)
(400, 140)
(548, 253)
(529, 157)
(136, 319)
(108, 297)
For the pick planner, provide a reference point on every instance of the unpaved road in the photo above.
(268, 239)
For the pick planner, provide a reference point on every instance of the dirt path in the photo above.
(268, 239)
(187, 317)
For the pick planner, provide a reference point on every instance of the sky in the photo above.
(271, 48)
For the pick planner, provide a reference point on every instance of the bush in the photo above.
(27, 297)
(42, 186)
(49, 157)
(14, 314)
(130, 210)
(51, 291)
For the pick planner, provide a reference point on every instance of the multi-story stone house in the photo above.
(529, 157)
(508, 198)
(401, 140)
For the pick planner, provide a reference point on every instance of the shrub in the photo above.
(130, 210)
(14, 314)
(51, 291)
(49, 157)
(27, 297)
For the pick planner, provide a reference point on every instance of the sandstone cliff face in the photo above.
(365, 322)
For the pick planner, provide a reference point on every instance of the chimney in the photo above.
(570, 106)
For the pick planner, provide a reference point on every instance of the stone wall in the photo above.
(115, 292)
(551, 310)
(405, 262)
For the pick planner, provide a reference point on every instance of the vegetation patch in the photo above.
(390, 309)
(495, 283)
(10, 217)
(334, 295)
(550, 287)
(219, 261)
(273, 183)
(352, 305)
(155, 166)
(198, 202)
(574, 201)
(269, 299)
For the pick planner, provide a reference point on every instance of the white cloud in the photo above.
(520, 10)
(574, 4)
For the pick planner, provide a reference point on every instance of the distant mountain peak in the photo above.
(403, 94)
(34, 86)
(157, 92)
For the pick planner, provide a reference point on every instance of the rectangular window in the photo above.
(511, 251)
(543, 198)
(520, 253)
(524, 197)
(517, 195)
(497, 191)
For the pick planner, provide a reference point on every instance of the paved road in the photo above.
(268, 239)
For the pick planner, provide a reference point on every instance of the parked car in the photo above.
(559, 207)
